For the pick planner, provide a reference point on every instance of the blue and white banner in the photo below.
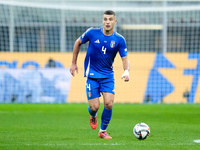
(34, 85)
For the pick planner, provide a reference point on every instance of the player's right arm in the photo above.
(77, 46)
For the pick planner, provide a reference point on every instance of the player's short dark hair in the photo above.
(109, 12)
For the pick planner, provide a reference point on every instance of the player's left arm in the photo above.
(125, 62)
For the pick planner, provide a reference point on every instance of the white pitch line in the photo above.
(93, 144)
(48, 144)
(102, 144)
(197, 141)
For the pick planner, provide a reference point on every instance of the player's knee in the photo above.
(108, 105)
(94, 107)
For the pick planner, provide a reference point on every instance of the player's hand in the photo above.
(73, 68)
(125, 76)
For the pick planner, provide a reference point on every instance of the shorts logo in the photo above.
(112, 44)
(89, 94)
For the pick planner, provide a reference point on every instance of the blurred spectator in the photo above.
(51, 63)
(186, 94)
(147, 99)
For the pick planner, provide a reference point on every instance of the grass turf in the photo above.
(66, 126)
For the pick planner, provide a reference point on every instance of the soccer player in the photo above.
(104, 44)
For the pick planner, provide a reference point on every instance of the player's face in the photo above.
(109, 22)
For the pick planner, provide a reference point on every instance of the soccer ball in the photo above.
(141, 131)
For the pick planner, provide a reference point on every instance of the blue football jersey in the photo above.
(101, 52)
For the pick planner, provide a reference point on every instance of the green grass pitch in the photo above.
(66, 126)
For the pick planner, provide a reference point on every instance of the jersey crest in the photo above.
(112, 44)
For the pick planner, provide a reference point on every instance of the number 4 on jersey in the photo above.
(104, 49)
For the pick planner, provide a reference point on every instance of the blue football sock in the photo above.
(92, 113)
(105, 118)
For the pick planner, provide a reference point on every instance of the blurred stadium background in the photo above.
(36, 43)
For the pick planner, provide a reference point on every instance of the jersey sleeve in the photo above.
(123, 48)
(85, 36)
